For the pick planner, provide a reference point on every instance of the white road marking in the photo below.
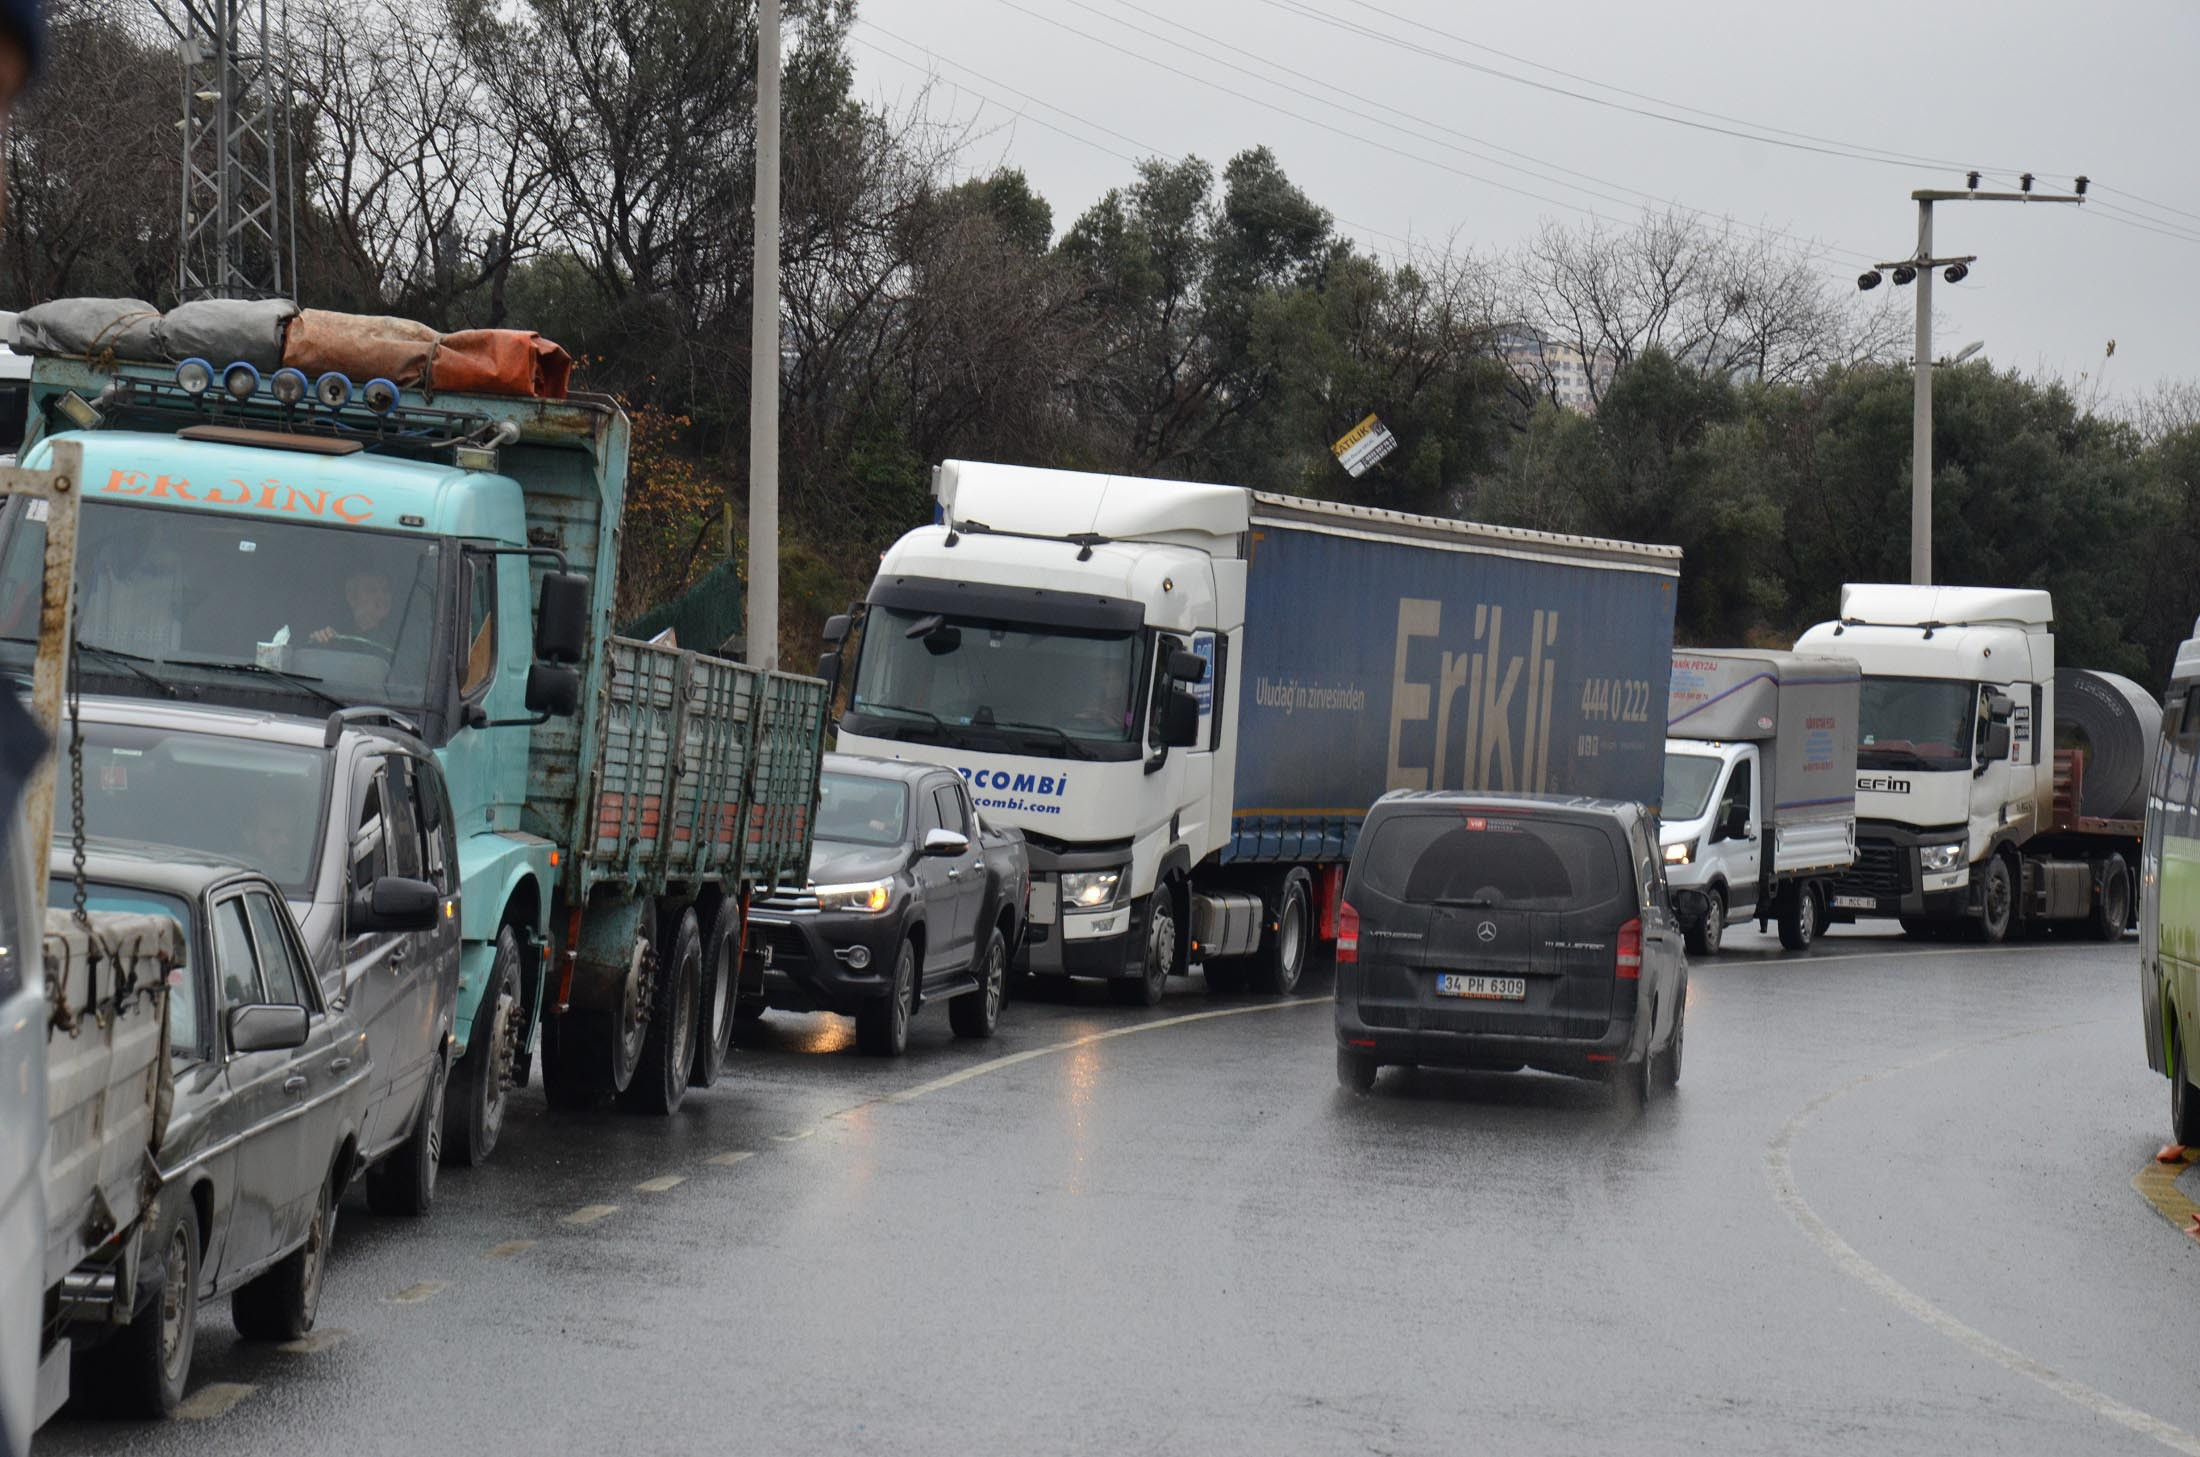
(1780, 1168)
(660, 1184)
(212, 1400)
(414, 1294)
(794, 1137)
(729, 1159)
(313, 1342)
(590, 1213)
(509, 1249)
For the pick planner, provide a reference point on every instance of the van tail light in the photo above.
(1627, 966)
(1348, 935)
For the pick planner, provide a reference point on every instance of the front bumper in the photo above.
(1083, 943)
(808, 968)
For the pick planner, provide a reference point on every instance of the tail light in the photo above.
(1627, 965)
(1348, 935)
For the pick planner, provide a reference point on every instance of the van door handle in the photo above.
(295, 1083)
(953, 873)
(341, 1064)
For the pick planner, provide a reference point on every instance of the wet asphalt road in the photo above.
(1888, 1210)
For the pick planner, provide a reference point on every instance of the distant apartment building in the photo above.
(1546, 363)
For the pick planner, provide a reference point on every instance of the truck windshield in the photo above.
(255, 803)
(193, 596)
(998, 685)
(1915, 723)
(1688, 782)
(856, 809)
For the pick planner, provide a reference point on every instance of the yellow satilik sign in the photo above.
(1364, 445)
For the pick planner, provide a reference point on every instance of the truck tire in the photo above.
(1801, 919)
(716, 1000)
(1145, 989)
(975, 1014)
(2112, 907)
(1705, 939)
(473, 1114)
(404, 1183)
(1997, 903)
(882, 1024)
(281, 1304)
(145, 1366)
(660, 1078)
(1283, 957)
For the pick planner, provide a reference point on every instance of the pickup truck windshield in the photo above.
(856, 809)
(997, 685)
(1915, 723)
(1688, 781)
(196, 596)
(255, 803)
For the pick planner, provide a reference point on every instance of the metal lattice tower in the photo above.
(239, 228)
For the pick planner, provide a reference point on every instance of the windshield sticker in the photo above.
(349, 507)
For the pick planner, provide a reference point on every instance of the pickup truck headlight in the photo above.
(1680, 853)
(1089, 890)
(1940, 859)
(870, 897)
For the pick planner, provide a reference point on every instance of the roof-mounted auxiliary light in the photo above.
(289, 385)
(332, 390)
(194, 377)
(379, 395)
(241, 380)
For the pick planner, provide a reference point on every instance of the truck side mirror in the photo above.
(1187, 667)
(1180, 720)
(836, 629)
(828, 667)
(561, 618)
(553, 690)
(2000, 708)
(1997, 746)
(395, 903)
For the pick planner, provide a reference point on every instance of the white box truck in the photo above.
(1759, 812)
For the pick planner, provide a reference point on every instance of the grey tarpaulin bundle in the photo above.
(220, 331)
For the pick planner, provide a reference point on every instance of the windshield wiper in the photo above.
(1893, 759)
(1071, 749)
(295, 680)
(1473, 903)
(933, 719)
(128, 662)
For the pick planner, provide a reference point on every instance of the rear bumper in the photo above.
(1596, 1057)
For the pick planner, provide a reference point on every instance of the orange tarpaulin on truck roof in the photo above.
(501, 362)
(360, 346)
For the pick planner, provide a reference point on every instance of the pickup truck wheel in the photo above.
(281, 1304)
(404, 1183)
(1800, 918)
(1145, 989)
(2112, 909)
(882, 1024)
(1997, 903)
(975, 1014)
(1283, 958)
(717, 999)
(147, 1364)
(1705, 938)
(668, 1046)
(473, 1116)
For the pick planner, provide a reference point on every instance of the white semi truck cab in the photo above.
(1967, 816)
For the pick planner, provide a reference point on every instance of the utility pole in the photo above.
(763, 601)
(1920, 269)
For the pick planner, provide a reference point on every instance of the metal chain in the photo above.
(76, 777)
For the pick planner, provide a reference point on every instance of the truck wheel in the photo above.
(668, 1048)
(474, 1113)
(975, 1014)
(1356, 1070)
(281, 1304)
(1705, 939)
(1283, 959)
(2112, 908)
(715, 1002)
(1145, 989)
(404, 1183)
(1997, 904)
(148, 1362)
(1800, 918)
(882, 1024)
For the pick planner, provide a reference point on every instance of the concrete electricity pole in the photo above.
(1920, 269)
(763, 598)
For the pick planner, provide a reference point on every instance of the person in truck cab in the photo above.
(367, 595)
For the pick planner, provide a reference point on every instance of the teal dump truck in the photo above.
(344, 548)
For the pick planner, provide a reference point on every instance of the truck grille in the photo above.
(785, 898)
(1880, 870)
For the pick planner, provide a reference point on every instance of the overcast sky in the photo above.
(2023, 84)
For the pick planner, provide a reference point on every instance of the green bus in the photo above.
(2169, 897)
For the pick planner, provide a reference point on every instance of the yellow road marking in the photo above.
(660, 1184)
(314, 1341)
(590, 1213)
(212, 1400)
(2157, 1184)
(729, 1159)
(414, 1294)
(509, 1248)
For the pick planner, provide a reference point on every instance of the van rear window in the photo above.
(1446, 857)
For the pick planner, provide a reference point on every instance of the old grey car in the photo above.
(271, 1090)
(351, 819)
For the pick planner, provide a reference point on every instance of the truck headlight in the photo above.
(1089, 890)
(1680, 853)
(871, 896)
(1940, 859)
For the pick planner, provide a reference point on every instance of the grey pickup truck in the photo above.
(912, 899)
